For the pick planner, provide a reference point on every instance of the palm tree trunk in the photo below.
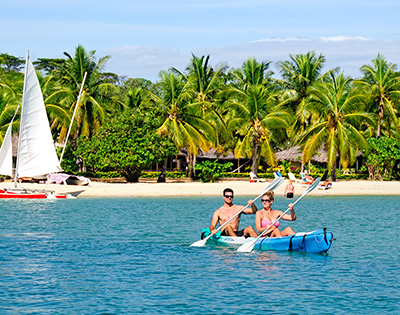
(333, 175)
(254, 167)
(193, 167)
(161, 177)
(191, 164)
(380, 118)
(188, 163)
(378, 129)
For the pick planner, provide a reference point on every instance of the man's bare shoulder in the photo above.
(218, 211)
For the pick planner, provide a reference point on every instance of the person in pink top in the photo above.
(266, 216)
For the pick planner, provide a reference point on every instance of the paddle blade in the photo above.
(246, 247)
(200, 243)
(313, 185)
(275, 184)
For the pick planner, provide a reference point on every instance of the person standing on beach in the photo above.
(227, 211)
(289, 190)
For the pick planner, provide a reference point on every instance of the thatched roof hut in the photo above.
(213, 154)
(294, 154)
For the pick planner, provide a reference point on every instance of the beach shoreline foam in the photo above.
(99, 189)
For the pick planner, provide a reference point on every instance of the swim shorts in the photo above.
(238, 233)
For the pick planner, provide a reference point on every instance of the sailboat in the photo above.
(36, 152)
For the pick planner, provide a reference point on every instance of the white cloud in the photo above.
(145, 61)
(343, 38)
(349, 53)
(280, 40)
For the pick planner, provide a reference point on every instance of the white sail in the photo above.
(36, 152)
(6, 153)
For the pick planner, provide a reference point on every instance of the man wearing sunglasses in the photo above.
(227, 211)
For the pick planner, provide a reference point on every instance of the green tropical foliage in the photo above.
(96, 100)
(10, 63)
(8, 108)
(338, 128)
(256, 112)
(128, 143)
(180, 118)
(246, 111)
(203, 83)
(299, 74)
(383, 154)
(382, 85)
(211, 171)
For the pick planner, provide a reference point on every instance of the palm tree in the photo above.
(11, 85)
(204, 81)
(134, 92)
(256, 112)
(179, 118)
(340, 122)
(8, 106)
(57, 114)
(299, 74)
(253, 73)
(96, 101)
(383, 87)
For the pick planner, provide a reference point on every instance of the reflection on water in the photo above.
(46, 235)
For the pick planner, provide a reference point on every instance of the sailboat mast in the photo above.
(20, 125)
(73, 117)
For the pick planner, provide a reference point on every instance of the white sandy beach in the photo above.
(98, 189)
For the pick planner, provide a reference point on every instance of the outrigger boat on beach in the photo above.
(36, 154)
(318, 241)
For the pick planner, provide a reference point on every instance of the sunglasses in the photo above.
(228, 196)
(265, 200)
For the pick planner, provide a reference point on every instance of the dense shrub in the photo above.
(128, 144)
(100, 174)
(352, 176)
(167, 174)
(211, 171)
(384, 153)
(245, 175)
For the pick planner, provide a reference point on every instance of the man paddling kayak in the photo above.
(227, 211)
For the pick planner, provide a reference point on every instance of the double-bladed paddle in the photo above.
(248, 247)
(273, 185)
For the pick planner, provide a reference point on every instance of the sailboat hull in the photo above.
(26, 194)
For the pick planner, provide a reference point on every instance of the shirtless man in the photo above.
(289, 190)
(228, 210)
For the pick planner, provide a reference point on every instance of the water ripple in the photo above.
(132, 255)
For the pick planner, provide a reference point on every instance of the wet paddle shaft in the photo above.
(248, 247)
(272, 186)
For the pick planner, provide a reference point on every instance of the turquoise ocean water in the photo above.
(132, 255)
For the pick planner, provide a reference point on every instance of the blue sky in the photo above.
(144, 37)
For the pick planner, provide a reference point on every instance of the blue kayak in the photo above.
(312, 242)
